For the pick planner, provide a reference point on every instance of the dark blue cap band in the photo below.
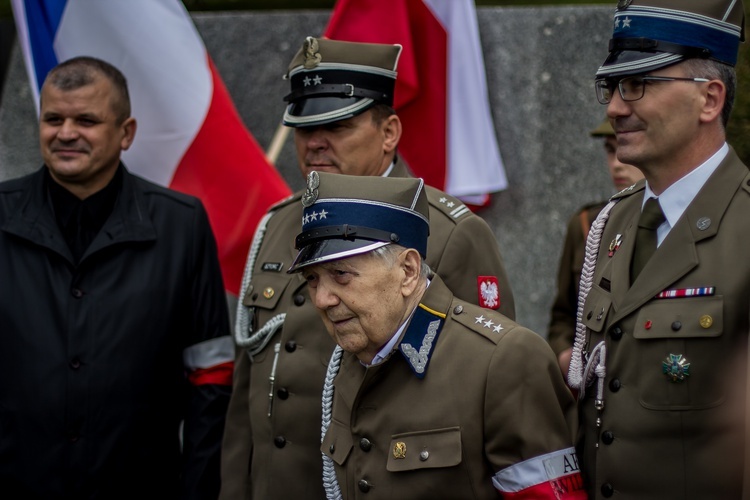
(374, 221)
(679, 28)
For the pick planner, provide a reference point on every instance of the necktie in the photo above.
(645, 238)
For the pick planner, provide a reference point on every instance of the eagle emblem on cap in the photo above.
(311, 192)
(623, 4)
(312, 56)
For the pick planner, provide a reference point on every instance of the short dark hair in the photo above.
(715, 70)
(84, 70)
(381, 112)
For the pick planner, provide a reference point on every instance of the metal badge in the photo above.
(703, 223)
(399, 450)
(706, 321)
(614, 245)
(676, 367)
(311, 193)
(312, 56)
(268, 292)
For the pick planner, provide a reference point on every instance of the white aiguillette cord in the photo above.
(580, 375)
(331, 485)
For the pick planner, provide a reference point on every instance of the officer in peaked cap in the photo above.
(340, 107)
(404, 338)
(664, 320)
(334, 80)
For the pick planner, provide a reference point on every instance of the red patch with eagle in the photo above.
(489, 292)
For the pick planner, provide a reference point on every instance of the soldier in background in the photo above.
(562, 326)
(340, 106)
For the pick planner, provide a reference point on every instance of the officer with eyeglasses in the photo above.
(660, 356)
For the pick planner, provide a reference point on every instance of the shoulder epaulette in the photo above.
(630, 190)
(451, 206)
(486, 322)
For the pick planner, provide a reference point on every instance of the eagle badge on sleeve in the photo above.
(489, 292)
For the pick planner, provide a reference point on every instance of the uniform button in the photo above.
(76, 292)
(608, 437)
(607, 490)
(279, 441)
(424, 455)
(614, 385)
(290, 346)
(615, 333)
(364, 485)
(458, 310)
(365, 444)
(299, 299)
(283, 393)
(676, 325)
(75, 363)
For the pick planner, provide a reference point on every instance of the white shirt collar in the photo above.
(676, 198)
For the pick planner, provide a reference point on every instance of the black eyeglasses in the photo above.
(632, 88)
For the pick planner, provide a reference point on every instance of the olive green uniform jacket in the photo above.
(661, 438)
(278, 457)
(465, 394)
(562, 326)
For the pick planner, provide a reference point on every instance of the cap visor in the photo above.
(635, 62)
(321, 110)
(332, 249)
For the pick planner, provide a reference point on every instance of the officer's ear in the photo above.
(391, 129)
(410, 262)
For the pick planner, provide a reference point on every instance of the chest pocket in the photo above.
(596, 308)
(337, 443)
(425, 450)
(266, 289)
(687, 330)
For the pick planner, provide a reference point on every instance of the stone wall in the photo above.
(540, 64)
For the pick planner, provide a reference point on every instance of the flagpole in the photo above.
(277, 143)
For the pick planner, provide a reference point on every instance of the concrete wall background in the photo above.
(540, 64)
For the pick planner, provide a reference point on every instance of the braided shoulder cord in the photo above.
(331, 485)
(243, 335)
(593, 242)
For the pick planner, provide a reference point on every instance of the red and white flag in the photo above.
(190, 136)
(441, 90)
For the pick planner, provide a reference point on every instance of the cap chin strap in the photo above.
(344, 232)
(338, 90)
(651, 45)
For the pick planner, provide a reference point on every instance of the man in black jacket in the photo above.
(113, 312)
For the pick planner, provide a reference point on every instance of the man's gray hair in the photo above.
(390, 252)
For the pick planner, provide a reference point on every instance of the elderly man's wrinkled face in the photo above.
(362, 300)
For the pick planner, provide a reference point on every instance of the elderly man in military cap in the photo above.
(426, 396)
(665, 317)
(340, 108)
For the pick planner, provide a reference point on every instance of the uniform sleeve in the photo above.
(471, 251)
(562, 324)
(237, 445)
(209, 360)
(531, 422)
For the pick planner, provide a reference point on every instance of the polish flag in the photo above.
(190, 136)
(441, 90)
